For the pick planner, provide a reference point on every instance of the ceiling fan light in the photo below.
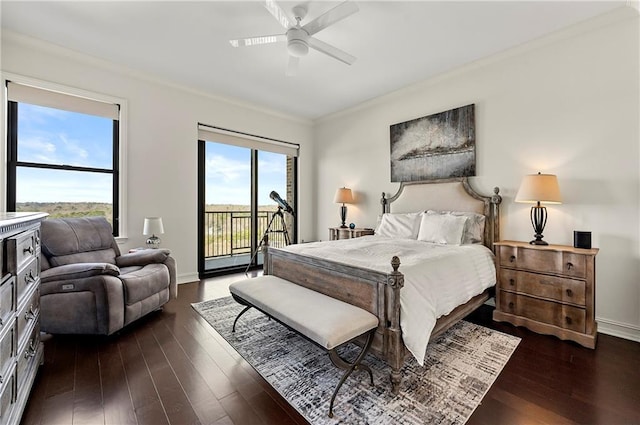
(297, 48)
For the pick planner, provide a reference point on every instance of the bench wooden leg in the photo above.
(349, 367)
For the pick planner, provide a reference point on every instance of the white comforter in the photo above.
(437, 278)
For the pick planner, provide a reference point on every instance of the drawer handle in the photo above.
(30, 315)
(569, 293)
(569, 266)
(512, 258)
(37, 240)
(1, 322)
(512, 282)
(29, 249)
(511, 305)
(31, 351)
(568, 320)
(28, 278)
(1, 379)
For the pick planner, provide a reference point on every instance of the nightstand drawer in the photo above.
(7, 351)
(7, 396)
(565, 263)
(544, 286)
(22, 249)
(560, 315)
(27, 278)
(7, 301)
(28, 315)
(28, 357)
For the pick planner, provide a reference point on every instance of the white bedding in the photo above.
(437, 278)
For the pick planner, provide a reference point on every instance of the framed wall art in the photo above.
(438, 146)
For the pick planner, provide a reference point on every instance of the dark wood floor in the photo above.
(172, 368)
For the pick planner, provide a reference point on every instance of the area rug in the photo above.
(460, 367)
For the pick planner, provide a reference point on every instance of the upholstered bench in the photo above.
(326, 321)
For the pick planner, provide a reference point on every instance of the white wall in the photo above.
(162, 140)
(567, 105)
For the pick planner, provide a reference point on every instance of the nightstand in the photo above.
(548, 289)
(346, 233)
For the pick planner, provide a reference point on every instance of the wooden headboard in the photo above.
(448, 195)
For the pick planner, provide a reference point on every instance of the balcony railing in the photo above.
(229, 232)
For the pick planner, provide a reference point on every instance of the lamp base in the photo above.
(153, 242)
(538, 242)
(343, 216)
(538, 220)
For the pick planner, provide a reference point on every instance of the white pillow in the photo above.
(401, 226)
(474, 228)
(442, 228)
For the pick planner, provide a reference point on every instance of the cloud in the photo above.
(220, 168)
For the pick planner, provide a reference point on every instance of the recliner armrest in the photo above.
(78, 271)
(143, 257)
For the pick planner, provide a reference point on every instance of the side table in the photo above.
(336, 233)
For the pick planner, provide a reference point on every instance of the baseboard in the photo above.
(618, 329)
(606, 326)
(187, 278)
(491, 301)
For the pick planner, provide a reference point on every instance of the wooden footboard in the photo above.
(376, 292)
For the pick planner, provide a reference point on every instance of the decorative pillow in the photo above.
(442, 228)
(474, 228)
(401, 226)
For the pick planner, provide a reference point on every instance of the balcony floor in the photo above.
(214, 263)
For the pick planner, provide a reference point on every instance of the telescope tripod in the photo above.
(265, 236)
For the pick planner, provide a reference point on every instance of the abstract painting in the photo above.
(438, 146)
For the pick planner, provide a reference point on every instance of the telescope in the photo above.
(281, 202)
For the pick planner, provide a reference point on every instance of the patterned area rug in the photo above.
(460, 366)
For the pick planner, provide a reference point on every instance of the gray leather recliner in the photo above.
(88, 287)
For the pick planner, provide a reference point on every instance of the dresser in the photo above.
(21, 351)
(548, 289)
(347, 233)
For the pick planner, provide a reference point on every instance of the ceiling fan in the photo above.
(299, 37)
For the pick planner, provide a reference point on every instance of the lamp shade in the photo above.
(539, 188)
(343, 196)
(153, 226)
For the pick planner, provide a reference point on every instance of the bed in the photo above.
(377, 288)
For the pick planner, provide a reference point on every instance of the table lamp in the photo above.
(537, 188)
(153, 226)
(343, 196)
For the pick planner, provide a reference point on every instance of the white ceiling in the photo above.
(396, 43)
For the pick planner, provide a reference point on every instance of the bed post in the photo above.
(496, 200)
(395, 346)
(385, 203)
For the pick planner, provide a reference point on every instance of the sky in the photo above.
(228, 175)
(53, 136)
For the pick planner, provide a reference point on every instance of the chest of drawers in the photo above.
(548, 289)
(21, 351)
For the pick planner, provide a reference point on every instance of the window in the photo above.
(63, 154)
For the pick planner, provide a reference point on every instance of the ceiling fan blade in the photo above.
(292, 66)
(254, 41)
(330, 17)
(328, 49)
(278, 13)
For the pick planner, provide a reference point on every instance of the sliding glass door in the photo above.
(227, 213)
(238, 186)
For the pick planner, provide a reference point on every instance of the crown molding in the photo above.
(50, 48)
(616, 16)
